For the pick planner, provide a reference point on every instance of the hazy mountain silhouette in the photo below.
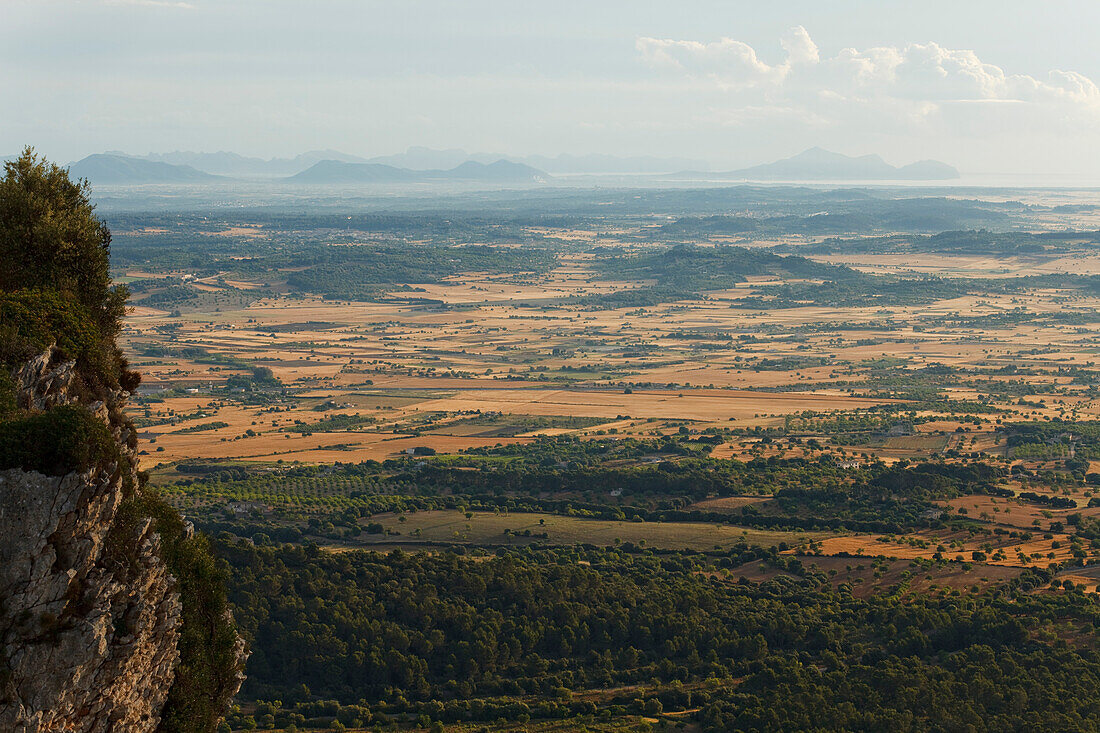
(225, 163)
(337, 171)
(596, 163)
(421, 158)
(231, 164)
(501, 171)
(121, 169)
(419, 164)
(817, 164)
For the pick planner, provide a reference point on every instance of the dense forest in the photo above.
(519, 635)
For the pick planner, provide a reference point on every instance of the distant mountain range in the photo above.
(501, 171)
(233, 165)
(817, 164)
(120, 169)
(420, 158)
(418, 165)
(417, 159)
(117, 169)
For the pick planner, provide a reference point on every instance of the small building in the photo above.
(242, 508)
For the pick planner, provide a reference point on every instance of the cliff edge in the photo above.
(112, 612)
(91, 614)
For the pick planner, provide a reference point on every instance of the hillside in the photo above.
(416, 158)
(817, 164)
(106, 168)
(422, 158)
(501, 171)
(224, 163)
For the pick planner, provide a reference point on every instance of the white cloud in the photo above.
(915, 81)
(800, 48)
(728, 61)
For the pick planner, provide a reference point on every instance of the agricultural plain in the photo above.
(813, 396)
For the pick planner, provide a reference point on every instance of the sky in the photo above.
(1006, 87)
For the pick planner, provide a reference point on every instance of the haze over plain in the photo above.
(732, 84)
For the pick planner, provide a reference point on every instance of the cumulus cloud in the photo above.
(916, 81)
(800, 48)
(727, 60)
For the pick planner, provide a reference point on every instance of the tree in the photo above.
(50, 238)
(55, 285)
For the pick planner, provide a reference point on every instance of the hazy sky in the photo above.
(992, 87)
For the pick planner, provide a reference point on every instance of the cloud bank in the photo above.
(915, 85)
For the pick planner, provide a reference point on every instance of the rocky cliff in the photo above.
(90, 612)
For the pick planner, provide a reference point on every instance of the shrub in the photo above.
(57, 442)
(207, 673)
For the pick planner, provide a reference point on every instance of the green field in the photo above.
(485, 528)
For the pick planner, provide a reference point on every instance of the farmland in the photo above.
(792, 407)
(604, 330)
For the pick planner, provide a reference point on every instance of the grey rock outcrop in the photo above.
(89, 614)
(45, 381)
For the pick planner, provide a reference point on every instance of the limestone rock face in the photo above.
(45, 381)
(89, 615)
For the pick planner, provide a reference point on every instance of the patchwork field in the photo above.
(621, 460)
(245, 374)
(700, 361)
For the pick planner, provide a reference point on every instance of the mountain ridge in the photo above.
(501, 171)
(818, 164)
(118, 169)
(419, 165)
(419, 158)
(227, 163)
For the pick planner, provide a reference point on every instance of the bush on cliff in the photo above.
(57, 442)
(55, 284)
